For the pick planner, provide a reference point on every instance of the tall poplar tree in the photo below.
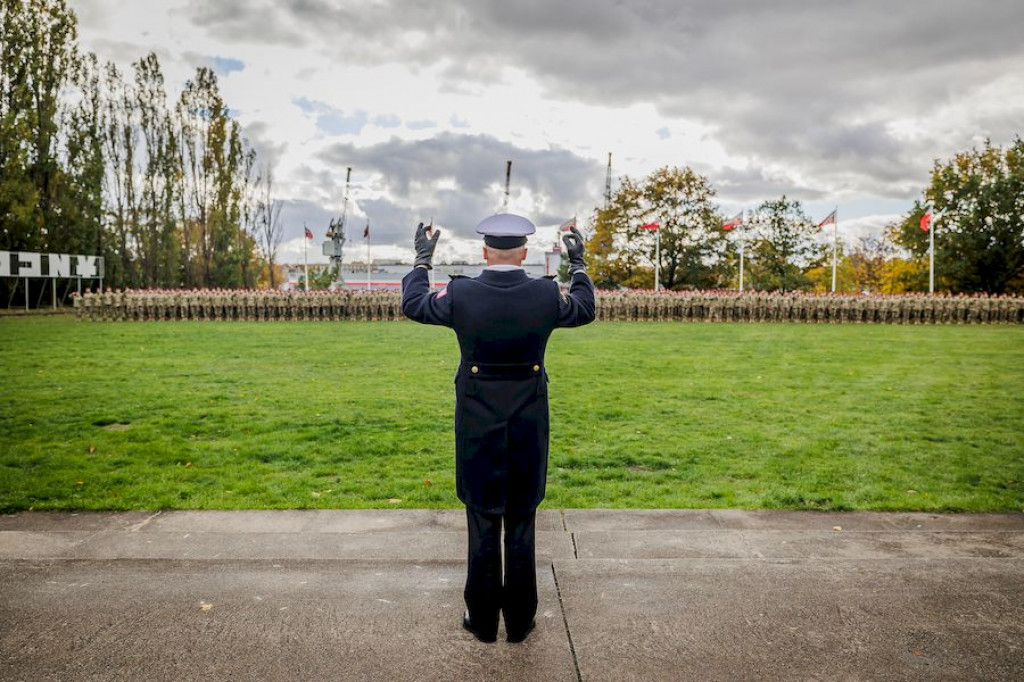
(39, 54)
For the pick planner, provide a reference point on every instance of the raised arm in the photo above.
(419, 303)
(578, 307)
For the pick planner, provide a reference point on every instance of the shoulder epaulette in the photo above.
(550, 276)
(457, 276)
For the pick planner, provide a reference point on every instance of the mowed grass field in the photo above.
(646, 415)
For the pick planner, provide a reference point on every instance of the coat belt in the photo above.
(490, 370)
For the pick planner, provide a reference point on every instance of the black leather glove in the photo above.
(425, 246)
(574, 250)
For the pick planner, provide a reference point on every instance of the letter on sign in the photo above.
(29, 265)
(60, 265)
(86, 266)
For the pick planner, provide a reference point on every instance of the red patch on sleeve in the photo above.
(442, 293)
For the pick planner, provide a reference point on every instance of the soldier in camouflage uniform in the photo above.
(259, 305)
(131, 304)
(89, 302)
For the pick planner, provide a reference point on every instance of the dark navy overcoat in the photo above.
(502, 319)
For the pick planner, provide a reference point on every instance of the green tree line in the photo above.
(977, 199)
(99, 161)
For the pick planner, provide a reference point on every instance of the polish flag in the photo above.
(735, 221)
(926, 221)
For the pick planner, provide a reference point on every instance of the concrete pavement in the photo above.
(624, 595)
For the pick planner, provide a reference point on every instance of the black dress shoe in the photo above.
(516, 637)
(466, 623)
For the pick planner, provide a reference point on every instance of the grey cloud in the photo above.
(390, 223)
(415, 173)
(296, 213)
(809, 85)
(124, 53)
(245, 21)
(753, 184)
(394, 223)
(268, 150)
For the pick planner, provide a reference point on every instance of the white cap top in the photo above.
(506, 225)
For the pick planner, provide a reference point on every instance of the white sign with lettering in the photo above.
(53, 265)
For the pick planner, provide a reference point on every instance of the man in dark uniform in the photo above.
(502, 319)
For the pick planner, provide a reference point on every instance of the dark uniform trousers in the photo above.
(502, 320)
(487, 591)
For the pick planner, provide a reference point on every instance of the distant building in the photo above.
(294, 274)
(389, 274)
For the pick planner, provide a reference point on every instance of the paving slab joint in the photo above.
(565, 621)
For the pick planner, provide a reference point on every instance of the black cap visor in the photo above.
(504, 242)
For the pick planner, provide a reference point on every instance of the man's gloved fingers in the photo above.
(437, 235)
(572, 228)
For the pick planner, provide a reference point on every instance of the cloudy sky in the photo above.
(842, 104)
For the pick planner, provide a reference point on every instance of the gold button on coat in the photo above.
(536, 368)
(474, 369)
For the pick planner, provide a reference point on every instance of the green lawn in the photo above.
(657, 415)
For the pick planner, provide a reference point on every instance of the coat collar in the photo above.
(503, 278)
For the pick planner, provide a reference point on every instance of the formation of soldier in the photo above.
(246, 305)
(634, 305)
(761, 306)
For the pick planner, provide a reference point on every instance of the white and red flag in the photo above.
(926, 221)
(830, 219)
(732, 222)
(650, 227)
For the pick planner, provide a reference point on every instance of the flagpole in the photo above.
(305, 258)
(931, 255)
(657, 259)
(743, 241)
(741, 263)
(835, 245)
(367, 255)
